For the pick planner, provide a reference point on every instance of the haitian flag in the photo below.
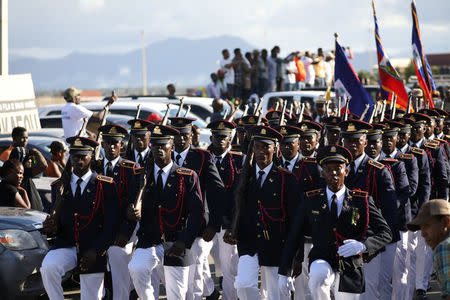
(390, 81)
(347, 84)
(423, 70)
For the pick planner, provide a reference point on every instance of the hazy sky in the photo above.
(49, 28)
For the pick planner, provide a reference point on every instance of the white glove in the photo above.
(351, 247)
(286, 285)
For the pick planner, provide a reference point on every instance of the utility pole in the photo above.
(144, 66)
(4, 37)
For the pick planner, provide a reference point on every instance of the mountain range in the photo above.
(182, 61)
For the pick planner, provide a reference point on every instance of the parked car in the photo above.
(55, 121)
(22, 249)
(297, 96)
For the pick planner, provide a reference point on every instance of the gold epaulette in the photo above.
(405, 156)
(128, 164)
(417, 150)
(440, 140)
(184, 171)
(310, 159)
(55, 182)
(314, 193)
(138, 171)
(431, 145)
(236, 153)
(389, 160)
(105, 178)
(376, 164)
(358, 193)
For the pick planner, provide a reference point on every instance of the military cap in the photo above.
(71, 93)
(399, 113)
(183, 125)
(435, 207)
(375, 132)
(354, 128)
(265, 134)
(431, 113)
(162, 134)
(239, 124)
(418, 119)
(81, 145)
(221, 127)
(275, 115)
(332, 123)
(139, 126)
(334, 153)
(391, 128)
(352, 116)
(442, 112)
(112, 132)
(251, 120)
(309, 128)
(290, 133)
(406, 124)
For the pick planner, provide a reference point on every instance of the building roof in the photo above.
(440, 59)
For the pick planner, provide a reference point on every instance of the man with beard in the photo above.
(122, 171)
(138, 145)
(85, 225)
(266, 202)
(228, 164)
(376, 179)
(344, 225)
(212, 189)
(309, 138)
(404, 189)
(170, 218)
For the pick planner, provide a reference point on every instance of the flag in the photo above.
(347, 84)
(423, 70)
(390, 81)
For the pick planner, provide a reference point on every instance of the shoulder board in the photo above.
(283, 170)
(376, 164)
(184, 171)
(201, 150)
(358, 193)
(314, 192)
(405, 156)
(127, 164)
(310, 159)
(389, 160)
(434, 141)
(236, 153)
(105, 178)
(417, 150)
(55, 182)
(138, 171)
(431, 145)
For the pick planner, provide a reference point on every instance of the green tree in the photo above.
(409, 71)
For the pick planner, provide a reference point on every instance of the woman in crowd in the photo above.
(12, 193)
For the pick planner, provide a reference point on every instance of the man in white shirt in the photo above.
(226, 64)
(73, 114)
(213, 89)
(310, 73)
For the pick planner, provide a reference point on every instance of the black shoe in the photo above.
(421, 294)
(214, 296)
(221, 282)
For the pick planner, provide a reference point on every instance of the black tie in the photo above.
(140, 160)
(259, 180)
(178, 159)
(159, 180)
(109, 169)
(334, 209)
(218, 162)
(352, 169)
(286, 164)
(78, 189)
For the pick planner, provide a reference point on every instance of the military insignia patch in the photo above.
(376, 164)
(137, 124)
(113, 130)
(310, 159)
(263, 131)
(221, 126)
(314, 192)
(431, 145)
(157, 130)
(128, 164)
(351, 127)
(78, 143)
(417, 150)
(358, 193)
(185, 171)
(105, 178)
(333, 149)
(406, 156)
(283, 130)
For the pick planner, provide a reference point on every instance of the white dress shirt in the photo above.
(183, 155)
(340, 199)
(358, 162)
(74, 179)
(266, 171)
(113, 163)
(404, 148)
(143, 154)
(440, 135)
(291, 162)
(164, 174)
(222, 156)
(418, 144)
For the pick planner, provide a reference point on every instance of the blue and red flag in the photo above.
(347, 84)
(390, 81)
(423, 70)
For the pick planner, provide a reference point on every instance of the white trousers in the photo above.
(322, 279)
(215, 254)
(402, 262)
(302, 291)
(141, 266)
(246, 282)
(229, 257)
(57, 263)
(118, 259)
(424, 263)
(200, 281)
